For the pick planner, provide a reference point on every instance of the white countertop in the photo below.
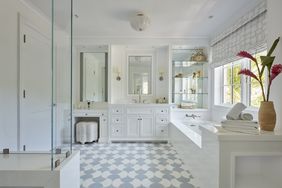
(227, 135)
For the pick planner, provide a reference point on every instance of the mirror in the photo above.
(140, 75)
(93, 76)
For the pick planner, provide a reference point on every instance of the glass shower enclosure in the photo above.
(36, 84)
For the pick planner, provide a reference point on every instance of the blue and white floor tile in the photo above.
(128, 165)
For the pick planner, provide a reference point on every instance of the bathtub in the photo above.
(34, 170)
(192, 129)
(197, 149)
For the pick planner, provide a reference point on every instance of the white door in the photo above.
(35, 90)
(133, 126)
(146, 126)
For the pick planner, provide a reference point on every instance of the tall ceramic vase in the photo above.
(267, 116)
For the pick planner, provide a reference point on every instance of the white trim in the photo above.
(233, 156)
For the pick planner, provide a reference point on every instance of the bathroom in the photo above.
(91, 97)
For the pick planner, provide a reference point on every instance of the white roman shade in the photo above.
(248, 33)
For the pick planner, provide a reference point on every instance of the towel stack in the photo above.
(238, 121)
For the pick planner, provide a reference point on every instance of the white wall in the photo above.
(119, 55)
(274, 30)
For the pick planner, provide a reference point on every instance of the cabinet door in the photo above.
(146, 127)
(133, 126)
(104, 130)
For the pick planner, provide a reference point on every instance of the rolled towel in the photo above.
(235, 111)
(246, 116)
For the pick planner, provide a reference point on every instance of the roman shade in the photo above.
(248, 33)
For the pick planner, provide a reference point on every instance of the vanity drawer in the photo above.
(116, 110)
(162, 131)
(116, 130)
(116, 119)
(86, 114)
(162, 111)
(140, 111)
(104, 120)
(162, 119)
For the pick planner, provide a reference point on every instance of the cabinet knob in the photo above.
(116, 130)
(162, 131)
(162, 111)
(86, 114)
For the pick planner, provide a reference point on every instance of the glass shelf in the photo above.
(199, 78)
(190, 93)
(189, 81)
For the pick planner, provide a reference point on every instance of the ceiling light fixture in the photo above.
(140, 22)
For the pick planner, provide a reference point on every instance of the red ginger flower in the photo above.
(248, 72)
(275, 71)
(246, 55)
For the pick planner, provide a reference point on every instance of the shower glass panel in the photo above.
(61, 81)
(35, 84)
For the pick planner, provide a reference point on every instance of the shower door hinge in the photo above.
(24, 147)
(24, 93)
(24, 38)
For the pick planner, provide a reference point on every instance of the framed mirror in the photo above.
(93, 76)
(140, 74)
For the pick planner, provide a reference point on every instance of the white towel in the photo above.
(246, 116)
(244, 131)
(240, 127)
(240, 123)
(235, 111)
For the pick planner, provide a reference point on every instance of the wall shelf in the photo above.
(189, 80)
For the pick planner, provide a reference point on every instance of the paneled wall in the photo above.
(119, 54)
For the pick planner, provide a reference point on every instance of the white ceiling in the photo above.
(169, 18)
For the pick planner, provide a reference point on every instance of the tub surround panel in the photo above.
(64, 176)
(227, 152)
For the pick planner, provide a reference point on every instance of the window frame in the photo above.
(245, 83)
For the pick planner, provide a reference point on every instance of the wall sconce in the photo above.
(161, 77)
(116, 71)
(118, 78)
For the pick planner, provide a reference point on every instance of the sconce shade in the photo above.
(140, 22)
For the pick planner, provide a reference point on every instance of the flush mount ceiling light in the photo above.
(140, 21)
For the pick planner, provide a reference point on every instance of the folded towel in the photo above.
(245, 131)
(240, 127)
(246, 116)
(240, 123)
(235, 111)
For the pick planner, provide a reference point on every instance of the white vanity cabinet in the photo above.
(140, 126)
(116, 121)
(136, 122)
(98, 115)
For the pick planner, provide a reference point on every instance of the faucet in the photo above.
(192, 116)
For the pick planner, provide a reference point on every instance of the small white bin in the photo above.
(86, 132)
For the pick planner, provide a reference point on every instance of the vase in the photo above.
(267, 116)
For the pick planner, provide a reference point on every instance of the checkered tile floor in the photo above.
(128, 165)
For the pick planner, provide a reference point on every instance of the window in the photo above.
(231, 88)
(254, 87)
(232, 83)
